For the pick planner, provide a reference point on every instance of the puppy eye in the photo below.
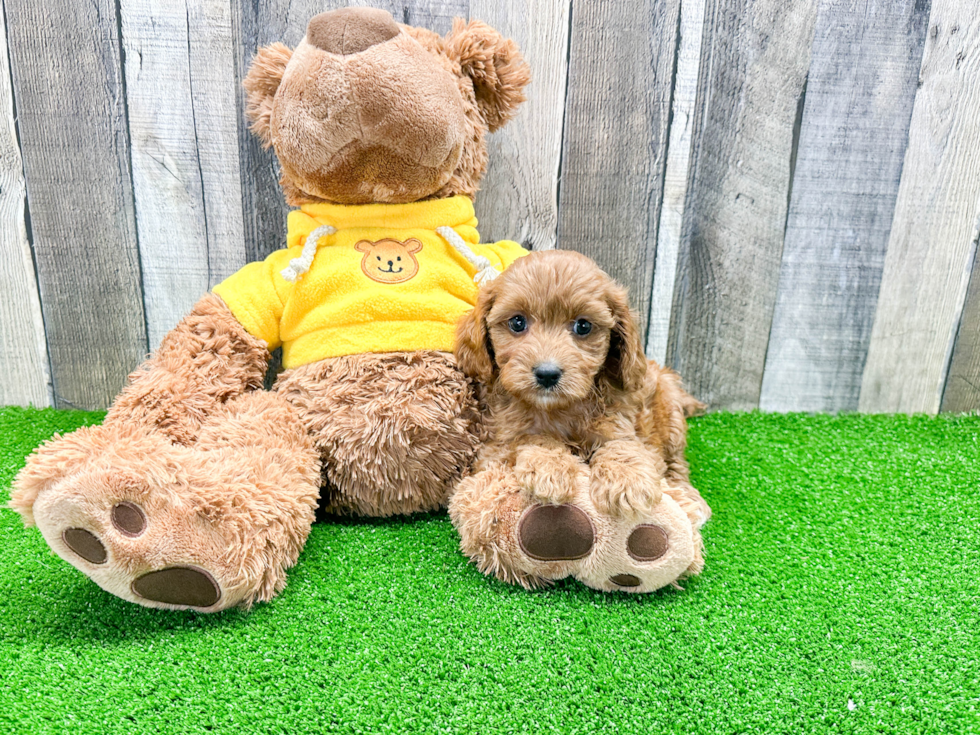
(517, 324)
(582, 327)
(399, 259)
(379, 257)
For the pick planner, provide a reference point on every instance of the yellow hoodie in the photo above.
(385, 281)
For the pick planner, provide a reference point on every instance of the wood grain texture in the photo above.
(23, 352)
(860, 89)
(930, 251)
(962, 390)
(754, 61)
(675, 176)
(621, 61)
(260, 23)
(180, 91)
(71, 114)
(519, 195)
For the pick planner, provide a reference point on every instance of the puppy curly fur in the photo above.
(623, 414)
(611, 408)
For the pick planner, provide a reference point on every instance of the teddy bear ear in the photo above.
(495, 65)
(261, 83)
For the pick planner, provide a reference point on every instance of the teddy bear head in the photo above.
(367, 110)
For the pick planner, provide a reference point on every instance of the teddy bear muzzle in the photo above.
(349, 31)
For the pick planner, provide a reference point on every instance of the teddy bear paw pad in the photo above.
(646, 543)
(128, 519)
(626, 580)
(86, 544)
(188, 586)
(556, 533)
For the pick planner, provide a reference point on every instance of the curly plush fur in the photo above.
(199, 489)
(578, 416)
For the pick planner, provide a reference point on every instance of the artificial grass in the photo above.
(840, 595)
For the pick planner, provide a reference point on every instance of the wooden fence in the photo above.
(790, 188)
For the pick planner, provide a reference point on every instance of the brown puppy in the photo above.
(575, 409)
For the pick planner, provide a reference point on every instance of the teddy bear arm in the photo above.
(206, 360)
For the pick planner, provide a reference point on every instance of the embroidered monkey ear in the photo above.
(495, 65)
(261, 83)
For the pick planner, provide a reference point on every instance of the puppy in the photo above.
(567, 382)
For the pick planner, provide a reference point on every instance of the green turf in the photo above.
(840, 595)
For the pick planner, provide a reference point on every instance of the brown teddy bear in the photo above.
(199, 489)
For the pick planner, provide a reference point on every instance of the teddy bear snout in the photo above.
(351, 30)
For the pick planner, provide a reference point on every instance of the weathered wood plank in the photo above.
(859, 94)
(621, 60)
(180, 91)
(754, 61)
(930, 254)
(23, 352)
(71, 112)
(261, 23)
(675, 176)
(962, 390)
(519, 196)
(437, 15)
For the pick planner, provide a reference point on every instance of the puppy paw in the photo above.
(626, 481)
(548, 476)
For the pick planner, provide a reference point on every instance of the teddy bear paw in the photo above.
(642, 557)
(139, 550)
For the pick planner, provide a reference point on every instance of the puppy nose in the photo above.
(350, 30)
(547, 374)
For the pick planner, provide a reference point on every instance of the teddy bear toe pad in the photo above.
(129, 519)
(86, 544)
(647, 543)
(626, 580)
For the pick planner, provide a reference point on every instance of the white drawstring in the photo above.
(485, 269)
(299, 266)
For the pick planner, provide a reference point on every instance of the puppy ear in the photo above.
(261, 83)
(474, 351)
(495, 65)
(626, 362)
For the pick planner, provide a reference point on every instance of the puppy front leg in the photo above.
(626, 478)
(546, 469)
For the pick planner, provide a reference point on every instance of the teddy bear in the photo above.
(199, 489)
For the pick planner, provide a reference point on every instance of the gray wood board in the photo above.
(23, 352)
(68, 86)
(183, 129)
(755, 56)
(671, 225)
(962, 390)
(930, 251)
(260, 23)
(621, 62)
(518, 199)
(860, 89)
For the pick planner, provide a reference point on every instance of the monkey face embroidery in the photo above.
(389, 261)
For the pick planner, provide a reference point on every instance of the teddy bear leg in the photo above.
(395, 431)
(205, 527)
(515, 537)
